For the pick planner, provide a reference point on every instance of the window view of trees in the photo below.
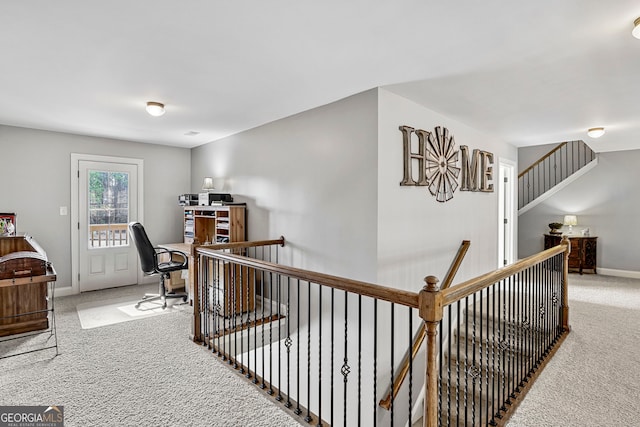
(108, 207)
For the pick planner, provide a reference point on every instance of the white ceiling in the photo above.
(529, 73)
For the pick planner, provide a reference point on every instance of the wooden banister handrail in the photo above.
(464, 289)
(241, 245)
(453, 269)
(397, 296)
(422, 331)
(542, 159)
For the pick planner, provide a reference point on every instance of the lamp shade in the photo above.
(207, 185)
(570, 220)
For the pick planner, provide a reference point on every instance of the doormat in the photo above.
(103, 313)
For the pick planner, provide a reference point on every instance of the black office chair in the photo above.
(150, 265)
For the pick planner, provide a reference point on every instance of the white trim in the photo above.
(75, 159)
(510, 166)
(619, 273)
(553, 190)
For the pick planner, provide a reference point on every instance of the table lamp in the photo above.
(207, 185)
(570, 220)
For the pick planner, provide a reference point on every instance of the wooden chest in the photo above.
(24, 275)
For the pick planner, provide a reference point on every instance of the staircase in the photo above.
(552, 172)
(476, 371)
(491, 350)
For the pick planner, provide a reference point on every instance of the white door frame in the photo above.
(507, 210)
(75, 215)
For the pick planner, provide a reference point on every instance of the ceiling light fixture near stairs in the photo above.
(636, 28)
(595, 132)
(156, 109)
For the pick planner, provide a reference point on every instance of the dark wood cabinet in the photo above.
(583, 251)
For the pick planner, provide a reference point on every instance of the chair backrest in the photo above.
(144, 246)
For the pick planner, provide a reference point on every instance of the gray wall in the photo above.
(418, 236)
(606, 200)
(311, 178)
(35, 172)
(529, 155)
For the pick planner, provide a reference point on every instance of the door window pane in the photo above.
(108, 208)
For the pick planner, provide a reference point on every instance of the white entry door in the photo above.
(107, 202)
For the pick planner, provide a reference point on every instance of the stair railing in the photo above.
(325, 347)
(407, 361)
(501, 328)
(551, 169)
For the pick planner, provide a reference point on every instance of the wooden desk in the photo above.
(175, 280)
(234, 287)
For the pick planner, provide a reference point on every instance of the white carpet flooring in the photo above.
(594, 378)
(148, 373)
(140, 373)
(95, 314)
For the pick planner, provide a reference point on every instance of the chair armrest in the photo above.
(159, 251)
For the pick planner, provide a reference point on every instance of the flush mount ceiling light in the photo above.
(595, 132)
(155, 108)
(636, 28)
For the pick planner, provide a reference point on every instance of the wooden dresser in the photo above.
(583, 251)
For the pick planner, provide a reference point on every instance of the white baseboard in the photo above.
(619, 273)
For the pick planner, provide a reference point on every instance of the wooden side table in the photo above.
(583, 251)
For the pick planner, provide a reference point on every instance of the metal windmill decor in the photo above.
(442, 160)
(437, 161)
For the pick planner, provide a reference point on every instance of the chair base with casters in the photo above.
(150, 264)
(162, 294)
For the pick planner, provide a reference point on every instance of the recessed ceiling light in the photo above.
(192, 133)
(636, 28)
(595, 132)
(155, 108)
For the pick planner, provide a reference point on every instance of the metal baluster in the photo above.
(262, 373)
(319, 356)
(495, 394)
(392, 361)
(375, 361)
(466, 357)
(359, 360)
(270, 391)
(234, 313)
(279, 299)
(440, 369)
(411, 368)
(298, 411)
(512, 325)
(307, 418)
(332, 358)
(251, 284)
(484, 331)
(288, 343)
(345, 366)
(521, 332)
(449, 339)
(255, 332)
(242, 308)
(458, 360)
(474, 365)
(486, 347)
(204, 307)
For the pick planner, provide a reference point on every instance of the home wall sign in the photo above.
(436, 163)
